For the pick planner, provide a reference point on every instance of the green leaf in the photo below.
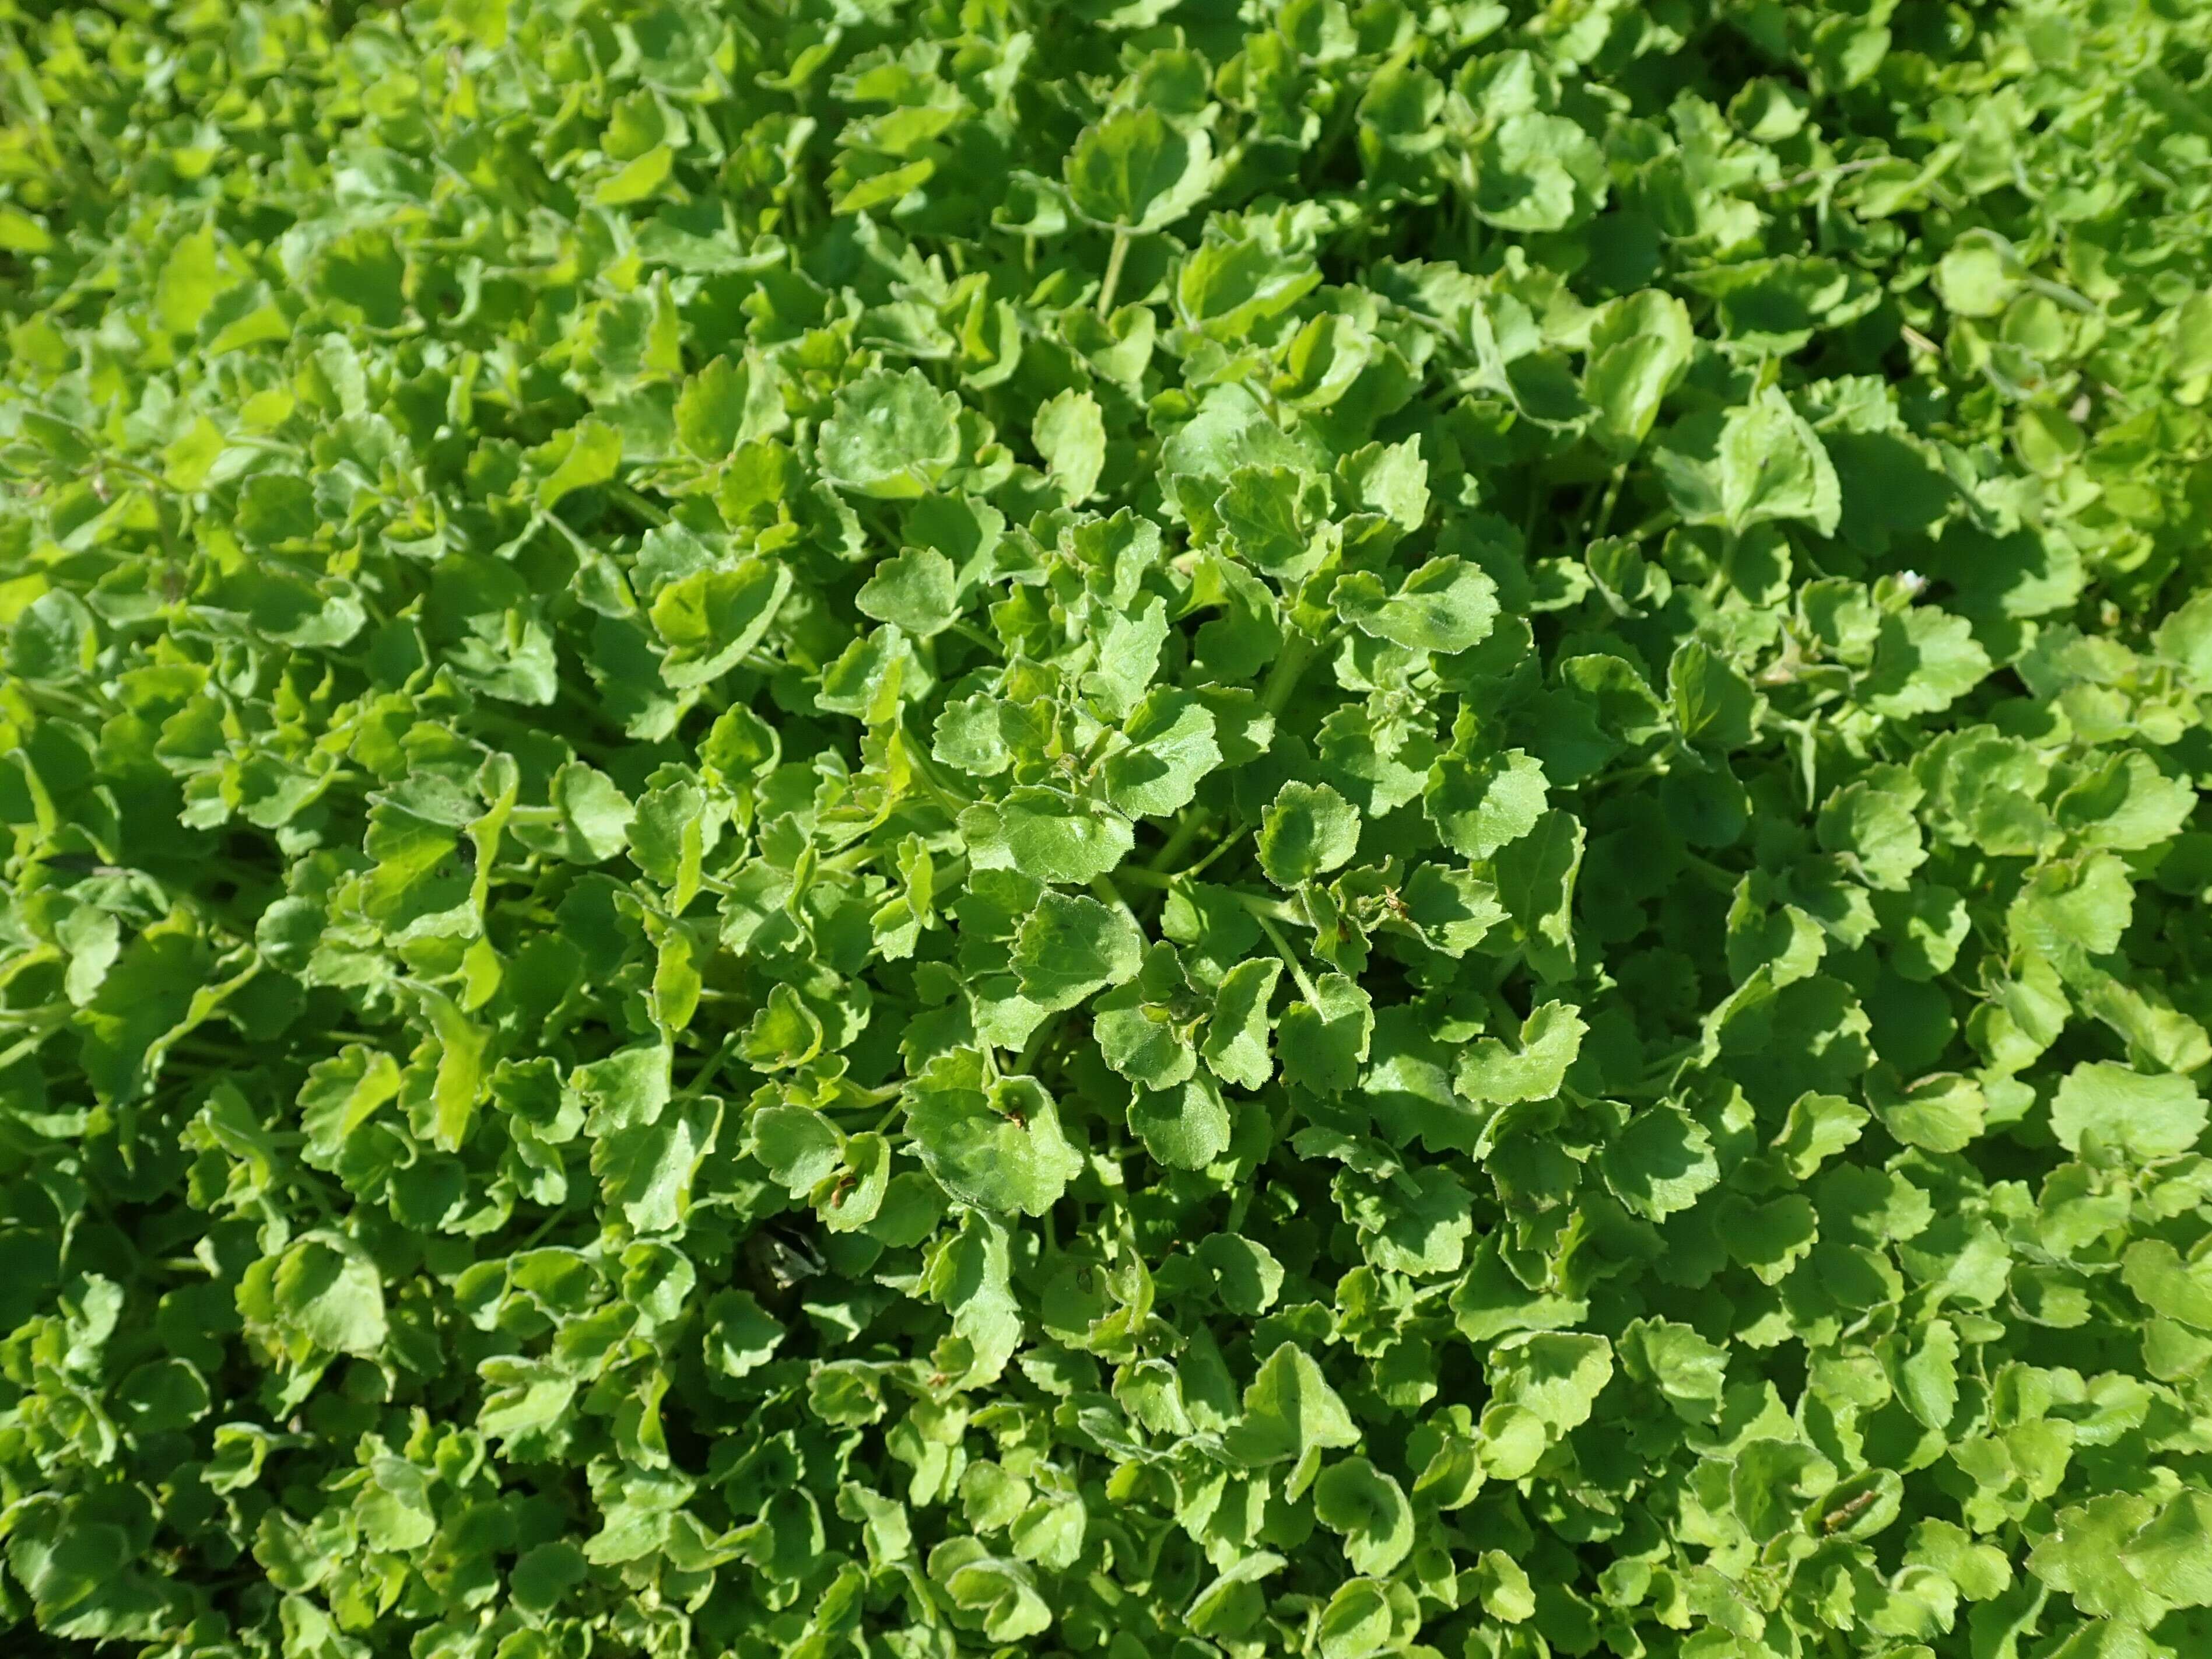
(1973, 280)
(1185, 1126)
(1548, 1041)
(772, 778)
(1369, 1510)
(1818, 1127)
(1234, 1602)
(1322, 1042)
(893, 436)
(1134, 172)
(1235, 1045)
(190, 278)
(2147, 1117)
(1924, 662)
(797, 1147)
(1046, 835)
(1138, 1029)
(1171, 746)
(1942, 1112)
(1247, 1278)
(1479, 806)
(917, 590)
(1539, 172)
(1639, 349)
(1503, 1587)
(1309, 831)
(2171, 1554)
(1070, 946)
(459, 1083)
(711, 619)
(727, 404)
(1688, 1372)
(53, 639)
(999, 1148)
(1759, 463)
(1535, 876)
(2173, 1289)
(741, 1335)
(1714, 703)
(1416, 1224)
(1357, 1620)
(19, 233)
(1290, 1414)
(1874, 829)
(648, 1170)
(2084, 1556)
(587, 456)
(1661, 1162)
(1555, 1375)
(1070, 433)
(327, 1288)
(1443, 604)
(588, 822)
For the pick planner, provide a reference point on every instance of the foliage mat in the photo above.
(1185, 831)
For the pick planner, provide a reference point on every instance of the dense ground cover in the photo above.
(1161, 830)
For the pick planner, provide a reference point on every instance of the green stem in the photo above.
(1186, 830)
(1290, 957)
(652, 514)
(853, 859)
(28, 1045)
(1219, 847)
(969, 630)
(1265, 909)
(705, 1073)
(1282, 685)
(1034, 1047)
(1712, 874)
(1338, 128)
(1629, 775)
(105, 463)
(926, 774)
(1270, 910)
(1110, 896)
(1112, 280)
(1669, 1062)
(1238, 1205)
(552, 1220)
(1724, 573)
(1606, 504)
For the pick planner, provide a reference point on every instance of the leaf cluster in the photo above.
(1105, 827)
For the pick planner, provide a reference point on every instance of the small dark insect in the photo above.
(778, 1256)
(1845, 1513)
